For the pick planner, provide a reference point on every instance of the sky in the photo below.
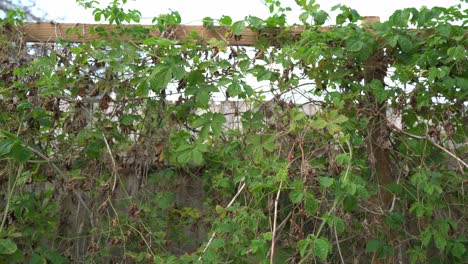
(193, 11)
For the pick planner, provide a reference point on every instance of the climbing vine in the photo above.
(154, 149)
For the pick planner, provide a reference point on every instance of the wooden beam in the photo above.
(79, 32)
(370, 19)
(50, 32)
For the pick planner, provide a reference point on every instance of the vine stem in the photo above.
(143, 238)
(394, 128)
(338, 245)
(62, 176)
(227, 206)
(309, 253)
(275, 216)
(10, 193)
(44, 157)
(114, 164)
(335, 203)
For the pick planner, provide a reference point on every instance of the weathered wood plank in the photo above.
(50, 32)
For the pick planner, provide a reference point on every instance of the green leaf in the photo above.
(150, 41)
(395, 219)
(355, 45)
(142, 89)
(214, 121)
(6, 145)
(23, 178)
(326, 181)
(268, 142)
(226, 227)
(321, 248)
(225, 21)
(373, 245)
(296, 196)
(320, 17)
(238, 27)
(444, 30)
(234, 89)
(417, 255)
(7, 134)
(203, 99)
(319, 123)
(303, 17)
(160, 77)
(381, 95)
(462, 83)
(310, 204)
(343, 159)
(248, 90)
(195, 77)
(426, 236)
(433, 73)
(400, 18)
(444, 228)
(255, 22)
(197, 157)
(37, 259)
(183, 147)
(350, 203)
(405, 43)
(94, 148)
(128, 119)
(20, 153)
(217, 122)
(303, 245)
(258, 245)
(244, 65)
(44, 122)
(184, 157)
(393, 41)
(458, 52)
(7, 247)
(164, 199)
(458, 249)
(22, 106)
(201, 120)
(264, 75)
(56, 258)
(420, 209)
(340, 119)
(340, 19)
(208, 23)
(440, 241)
(97, 16)
(338, 223)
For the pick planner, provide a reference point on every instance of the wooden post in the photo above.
(378, 142)
(379, 146)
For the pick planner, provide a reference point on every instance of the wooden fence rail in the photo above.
(51, 31)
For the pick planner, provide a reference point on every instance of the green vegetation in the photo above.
(96, 166)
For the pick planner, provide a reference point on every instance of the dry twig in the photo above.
(114, 164)
(214, 234)
(460, 161)
(275, 216)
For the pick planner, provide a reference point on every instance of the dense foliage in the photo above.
(98, 165)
